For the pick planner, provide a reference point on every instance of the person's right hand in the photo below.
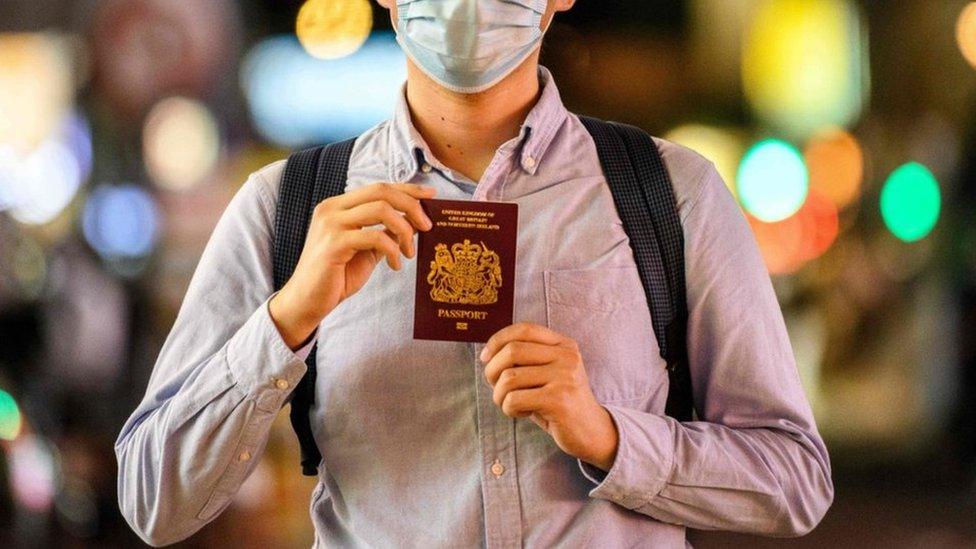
(339, 254)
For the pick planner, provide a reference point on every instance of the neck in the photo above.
(464, 130)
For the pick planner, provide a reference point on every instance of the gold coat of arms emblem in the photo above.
(467, 273)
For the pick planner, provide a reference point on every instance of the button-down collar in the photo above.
(409, 151)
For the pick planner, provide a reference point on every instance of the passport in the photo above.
(465, 270)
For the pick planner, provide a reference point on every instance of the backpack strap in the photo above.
(644, 197)
(310, 176)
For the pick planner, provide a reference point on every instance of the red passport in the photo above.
(465, 270)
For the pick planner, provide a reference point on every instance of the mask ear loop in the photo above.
(549, 24)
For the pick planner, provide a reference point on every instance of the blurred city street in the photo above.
(845, 129)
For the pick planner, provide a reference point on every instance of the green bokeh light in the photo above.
(773, 180)
(9, 417)
(911, 202)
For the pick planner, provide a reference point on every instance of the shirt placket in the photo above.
(499, 473)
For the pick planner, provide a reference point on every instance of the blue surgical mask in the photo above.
(468, 46)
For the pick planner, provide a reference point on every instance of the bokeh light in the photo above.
(41, 185)
(181, 143)
(722, 146)
(10, 163)
(966, 33)
(10, 420)
(38, 185)
(781, 243)
(791, 243)
(911, 202)
(330, 29)
(772, 180)
(297, 100)
(75, 133)
(835, 161)
(121, 221)
(821, 225)
(35, 88)
(804, 64)
(33, 473)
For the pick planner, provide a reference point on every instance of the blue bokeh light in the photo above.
(773, 180)
(297, 100)
(121, 221)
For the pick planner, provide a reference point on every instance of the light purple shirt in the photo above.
(407, 428)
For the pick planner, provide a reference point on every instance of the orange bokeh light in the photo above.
(835, 160)
(789, 244)
(966, 33)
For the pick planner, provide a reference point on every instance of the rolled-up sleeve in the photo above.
(221, 377)
(753, 461)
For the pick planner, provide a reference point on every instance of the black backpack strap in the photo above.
(644, 197)
(310, 176)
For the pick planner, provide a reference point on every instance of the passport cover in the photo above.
(465, 270)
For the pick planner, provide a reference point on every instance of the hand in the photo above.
(538, 373)
(339, 254)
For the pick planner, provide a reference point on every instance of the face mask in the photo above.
(468, 46)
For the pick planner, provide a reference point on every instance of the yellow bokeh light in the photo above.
(966, 33)
(835, 160)
(35, 88)
(330, 29)
(804, 65)
(181, 143)
(723, 147)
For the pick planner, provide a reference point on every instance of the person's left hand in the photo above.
(537, 372)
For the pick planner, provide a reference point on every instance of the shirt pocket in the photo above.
(605, 310)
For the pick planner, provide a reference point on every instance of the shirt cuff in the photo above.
(643, 463)
(261, 362)
(306, 349)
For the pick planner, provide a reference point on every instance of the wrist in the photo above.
(605, 442)
(294, 323)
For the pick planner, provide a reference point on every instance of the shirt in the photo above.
(414, 451)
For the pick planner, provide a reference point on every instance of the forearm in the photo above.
(196, 437)
(764, 480)
(172, 463)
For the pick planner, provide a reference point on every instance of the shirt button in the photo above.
(281, 384)
(245, 455)
(425, 168)
(497, 468)
(529, 161)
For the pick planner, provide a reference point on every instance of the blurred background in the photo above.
(846, 129)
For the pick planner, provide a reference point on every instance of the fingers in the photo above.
(376, 240)
(523, 331)
(376, 212)
(518, 353)
(522, 377)
(522, 402)
(404, 197)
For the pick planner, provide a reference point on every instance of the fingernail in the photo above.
(484, 353)
(428, 223)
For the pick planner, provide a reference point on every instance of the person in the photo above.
(552, 433)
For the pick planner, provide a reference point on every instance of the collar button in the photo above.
(529, 162)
